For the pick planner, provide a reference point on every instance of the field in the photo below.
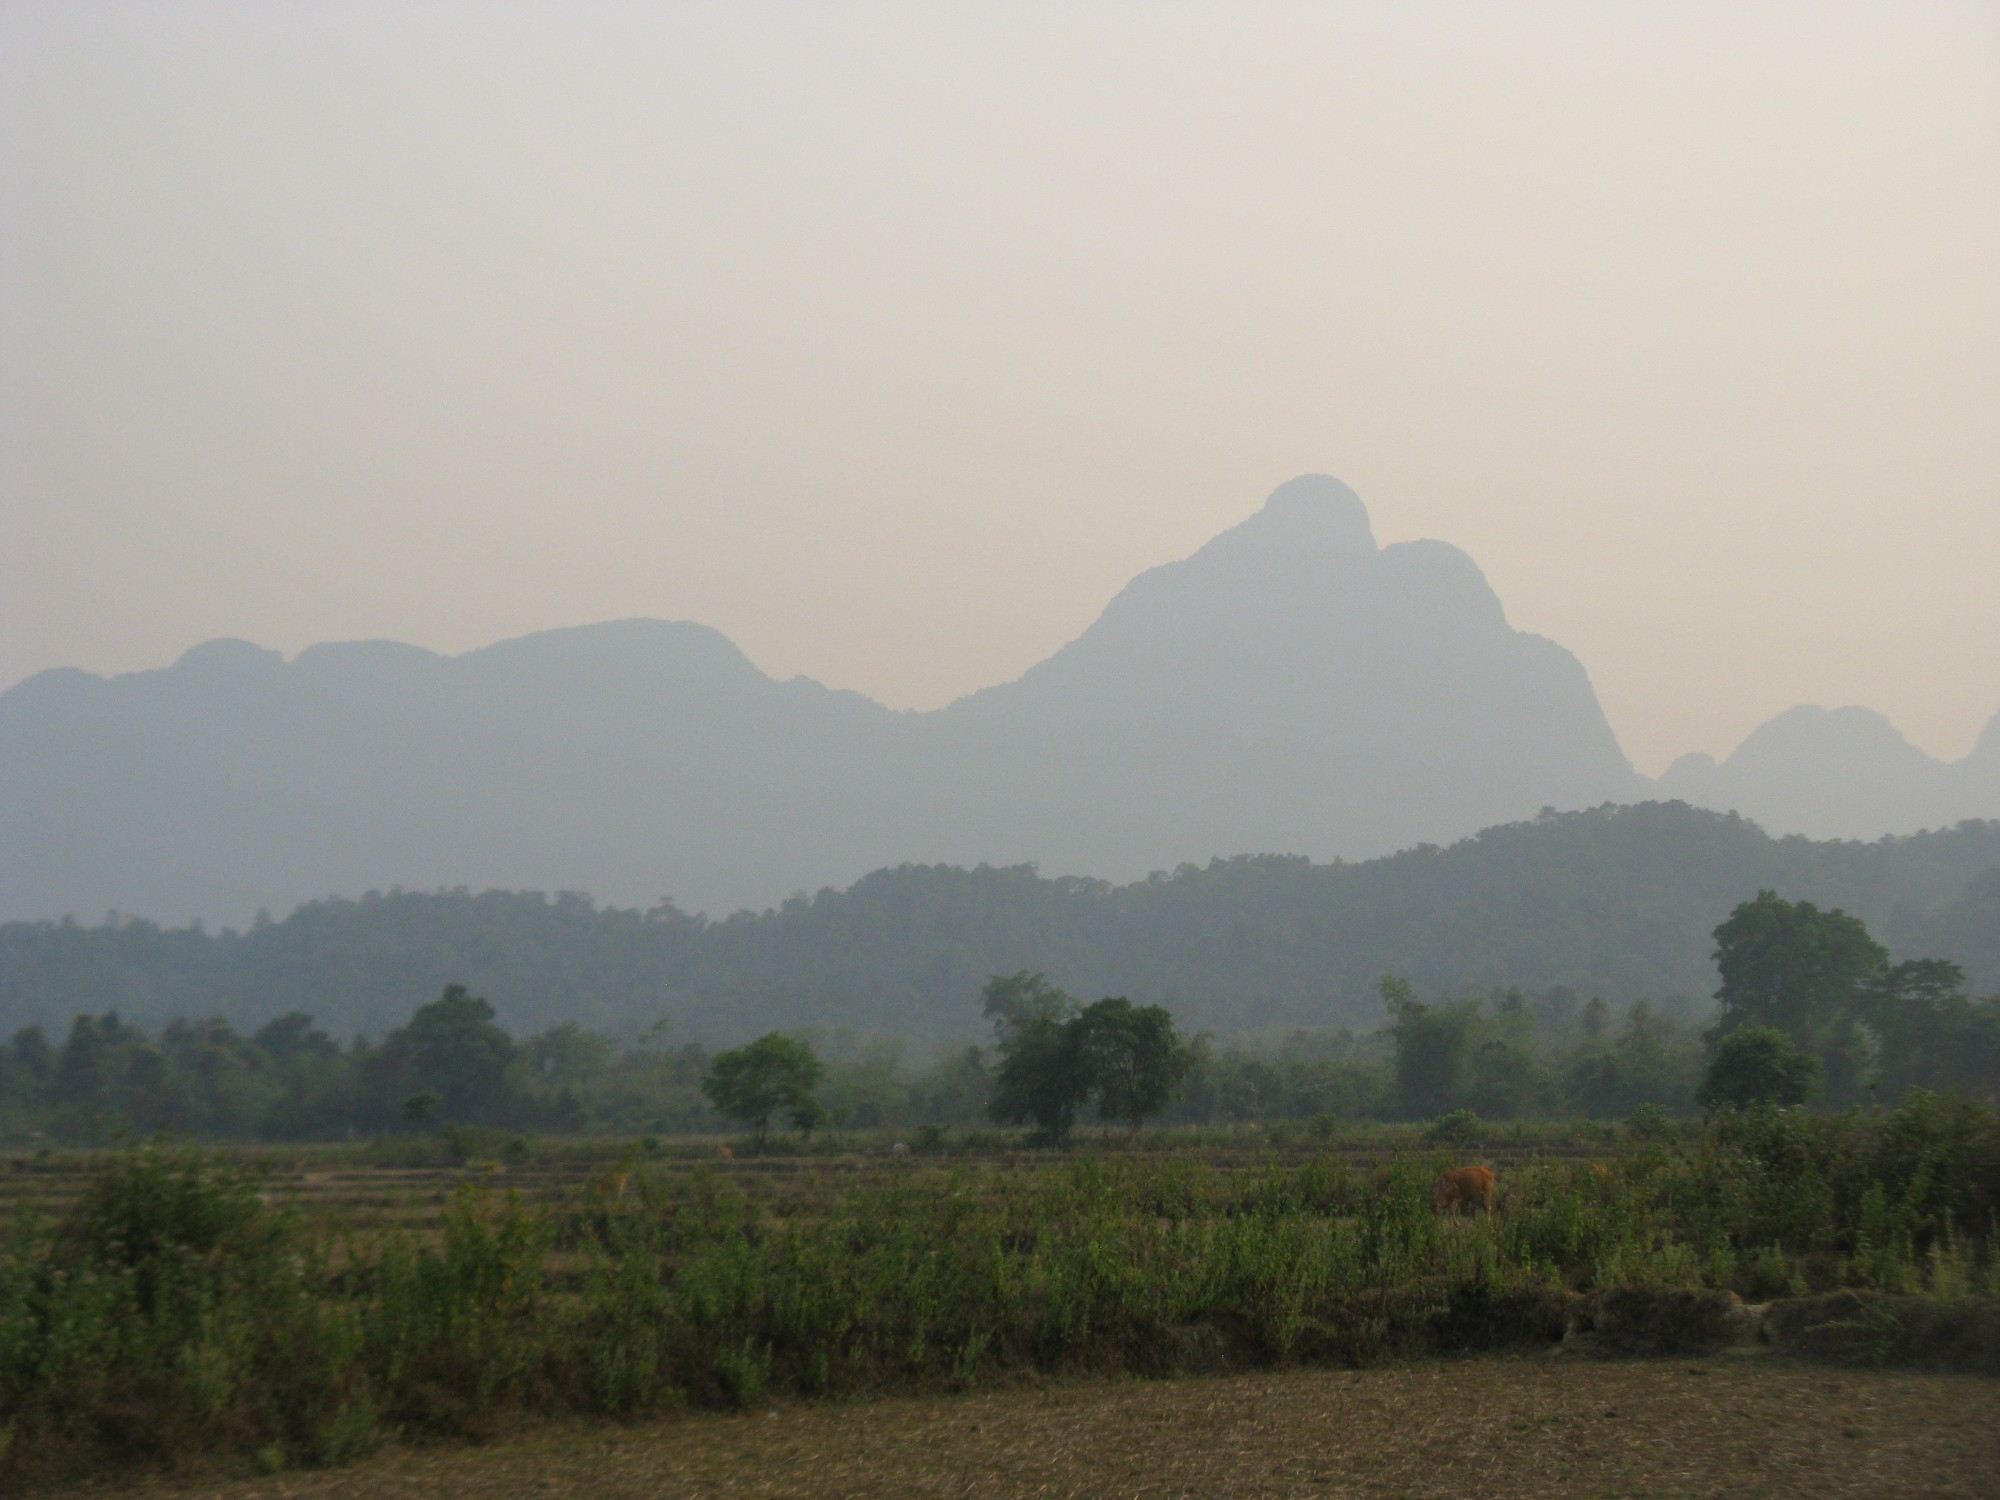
(1529, 1427)
(408, 1183)
(166, 1311)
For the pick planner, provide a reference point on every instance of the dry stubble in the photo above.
(1495, 1427)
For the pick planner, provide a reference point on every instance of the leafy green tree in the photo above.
(294, 1035)
(956, 1091)
(1506, 1075)
(754, 1082)
(807, 1115)
(109, 1074)
(1789, 965)
(1009, 1000)
(1134, 1056)
(1930, 1033)
(1044, 1072)
(1759, 1065)
(32, 1053)
(452, 1048)
(25, 1067)
(84, 1071)
(1056, 1058)
(1433, 1066)
(567, 1054)
(1596, 1018)
(1654, 1062)
(316, 1089)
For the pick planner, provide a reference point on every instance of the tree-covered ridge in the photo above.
(1790, 1021)
(1618, 902)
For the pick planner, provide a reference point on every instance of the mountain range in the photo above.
(1290, 688)
(1841, 773)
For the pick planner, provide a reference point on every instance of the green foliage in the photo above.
(1789, 966)
(174, 1315)
(1649, 1123)
(773, 1073)
(1759, 1065)
(1506, 1054)
(1929, 1032)
(1135, 1057)
(1459, 1128)
(1616, 902)
(1044, 1072)
(453, 1050)
(1433, 1049)
(1055, 1058)
(1461, 1054)
(170, 1290)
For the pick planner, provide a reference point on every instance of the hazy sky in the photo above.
(892, 340)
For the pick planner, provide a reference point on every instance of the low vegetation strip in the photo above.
(172, 1315)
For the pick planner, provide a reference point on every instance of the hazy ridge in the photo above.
(1616, 901)
(1290, 688)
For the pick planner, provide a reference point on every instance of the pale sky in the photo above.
(892, 340)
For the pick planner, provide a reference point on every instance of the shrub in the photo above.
(1649, 1123)
(1758, 1065)
(1459, 1128)
(173, 1294)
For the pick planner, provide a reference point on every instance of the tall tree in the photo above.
(1759, 1065)
(1789, 965)
(1135, 1056)
(453, 1049)
(752, 1083)
(1433, 1049)
(1044, 1074)
(1930, 1033)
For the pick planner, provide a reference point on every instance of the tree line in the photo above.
(1810, 1007)
(1615, 902)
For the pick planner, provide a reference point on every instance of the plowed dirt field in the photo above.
(1542, 1427)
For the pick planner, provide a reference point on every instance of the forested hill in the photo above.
(1616, 901)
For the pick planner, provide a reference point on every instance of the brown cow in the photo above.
(1461, 1186)
(610, 1183)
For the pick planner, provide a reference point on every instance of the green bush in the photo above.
(1758, 1065)
(172, 1294)
(1459, 1128)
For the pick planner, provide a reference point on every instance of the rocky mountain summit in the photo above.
(1290, 688)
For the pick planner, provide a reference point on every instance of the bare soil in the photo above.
(1540, 1426)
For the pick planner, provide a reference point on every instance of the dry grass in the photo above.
(1544, 1427)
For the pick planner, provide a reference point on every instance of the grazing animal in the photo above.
(726, 1153)
(899, 1150)
(1461, 1186)
(610, 1184)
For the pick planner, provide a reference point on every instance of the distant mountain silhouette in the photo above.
(1290, 688)
(1840, 773)
(641, 757)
